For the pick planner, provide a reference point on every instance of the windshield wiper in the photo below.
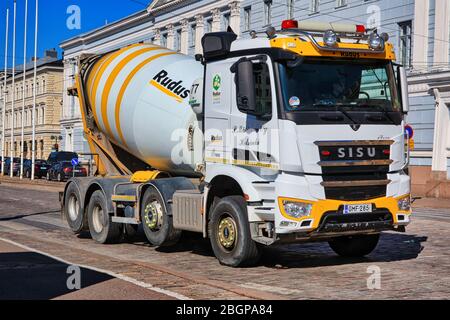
(345, 113)
(383, 110)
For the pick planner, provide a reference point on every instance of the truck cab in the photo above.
(310, 123)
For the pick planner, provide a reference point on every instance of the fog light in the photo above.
(330, 38)
(404, 204)
(376, 42)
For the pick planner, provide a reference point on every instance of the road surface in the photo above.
(36, 250)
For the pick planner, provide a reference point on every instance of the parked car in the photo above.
(16, 166)
(56, 157)
(63, 171)
(40, 168)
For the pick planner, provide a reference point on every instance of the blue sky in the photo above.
(52, 22)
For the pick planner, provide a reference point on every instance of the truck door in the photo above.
(254, 134)
(217, 86)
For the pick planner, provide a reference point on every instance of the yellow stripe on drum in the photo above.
(125, 85)
(99, 76)
(110, 81)
(93, 75)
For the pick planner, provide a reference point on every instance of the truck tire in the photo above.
(73, 210)
(230, 235)
(101, 227)
(355, 246)
(157, 224)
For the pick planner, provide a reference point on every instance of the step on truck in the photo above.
(292, 135)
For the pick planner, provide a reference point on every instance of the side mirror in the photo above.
(403, 87)
(245, 84)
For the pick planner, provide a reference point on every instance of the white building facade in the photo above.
(418, 28)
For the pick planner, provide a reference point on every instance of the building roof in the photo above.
(153, 9)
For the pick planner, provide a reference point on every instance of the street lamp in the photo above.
(57, 139)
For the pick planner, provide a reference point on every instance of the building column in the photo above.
(216, 20)
(235, 16)
(441, 122)
(157, 38)
(420, 37)
(441, 33)
(199, 32)
(184, 41)
(171, 37)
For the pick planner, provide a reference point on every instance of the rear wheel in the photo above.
(355, 246)
(48, 177)
(230, 235)
(101, 227)
(73, 210)
(157, 224)
(59, 177)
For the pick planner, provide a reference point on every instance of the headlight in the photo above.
(404, 204)
(296, 209)
(330, 38)
(376, 42)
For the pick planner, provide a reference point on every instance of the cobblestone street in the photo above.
(414, 265)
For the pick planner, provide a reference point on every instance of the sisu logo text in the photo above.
(171, 87)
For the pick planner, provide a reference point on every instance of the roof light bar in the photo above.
(336, 27)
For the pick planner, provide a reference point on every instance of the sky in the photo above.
(53, 27)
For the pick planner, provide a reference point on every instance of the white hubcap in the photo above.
(73, 208)
(97, 219)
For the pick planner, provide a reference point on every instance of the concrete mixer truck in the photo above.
(292, 135)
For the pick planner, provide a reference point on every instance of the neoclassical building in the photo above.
(49, 90)
(419, 30)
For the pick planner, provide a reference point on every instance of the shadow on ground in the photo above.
(392, 247)
(31, 276)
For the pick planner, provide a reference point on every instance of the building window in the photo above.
(193, 35)
(314, 6)
(247, 18)
(267, 12)
(164, 40)
(226, 21)
(405, 43)
(341, 3)
(290, 7)
(208, 25)
(178, 40)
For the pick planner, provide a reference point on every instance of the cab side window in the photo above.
(263, 89)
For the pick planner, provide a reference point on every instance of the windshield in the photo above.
(320, 85)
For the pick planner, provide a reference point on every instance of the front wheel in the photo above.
(230, 235)
(355, 246)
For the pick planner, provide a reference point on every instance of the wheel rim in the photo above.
(97, 219)
(59, 177)
(227, 233)
(153, 216)
(73, 208)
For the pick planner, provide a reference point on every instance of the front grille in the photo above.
(355, 170)
(355, 193)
